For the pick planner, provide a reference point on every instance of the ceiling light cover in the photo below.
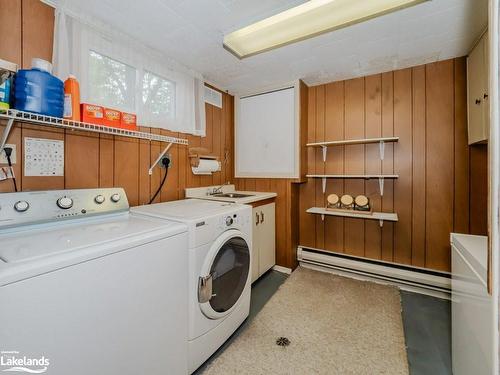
(307, 20)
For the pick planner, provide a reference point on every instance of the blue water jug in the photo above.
(38, 91)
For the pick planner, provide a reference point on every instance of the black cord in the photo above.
(165, 161)
(8, 153)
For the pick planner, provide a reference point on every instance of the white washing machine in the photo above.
(88, 288)
(220, 244)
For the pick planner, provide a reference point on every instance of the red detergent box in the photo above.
(112, 117)
(128, 121)
(93, 114)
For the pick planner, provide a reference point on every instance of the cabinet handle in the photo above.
(485, 96)
(478, 101)
(256, 218)
(261, 217)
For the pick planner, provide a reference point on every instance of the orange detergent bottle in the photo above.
(72, 99)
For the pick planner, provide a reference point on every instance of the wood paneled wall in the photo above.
(438, 173)
(93, 160)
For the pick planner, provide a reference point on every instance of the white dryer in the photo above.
(88, 288)
(220, 245)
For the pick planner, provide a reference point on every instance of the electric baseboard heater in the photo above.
(410, 278)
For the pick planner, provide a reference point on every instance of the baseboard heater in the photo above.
(415, 279)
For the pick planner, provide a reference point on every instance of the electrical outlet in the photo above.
(166, 156)
(3, 158)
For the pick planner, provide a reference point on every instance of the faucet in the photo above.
(218, 190)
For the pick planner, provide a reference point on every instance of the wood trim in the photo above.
(262, 202)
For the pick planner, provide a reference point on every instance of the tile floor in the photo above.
(427, 324)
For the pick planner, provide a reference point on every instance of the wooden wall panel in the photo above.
(462, 192)
(319, 165)
(37, 31)
(403, 155)
(10, 30)
(442, 181)
(354, 161)
(418, 167)
(81, 148)
(478, 219)
(334, 117)
(373, 164)
(439, 163)
(388, 164)
(106, 160)
(307, 231)
(143, 168)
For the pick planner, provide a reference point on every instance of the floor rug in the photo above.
(319, 323)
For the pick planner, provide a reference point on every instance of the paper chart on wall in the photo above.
(43, 157)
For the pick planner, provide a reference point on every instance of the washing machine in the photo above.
(220, 245)
(88, 288)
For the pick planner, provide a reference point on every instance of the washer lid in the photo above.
(187, 209)
(39, 241)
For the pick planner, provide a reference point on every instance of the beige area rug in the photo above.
(335, 325)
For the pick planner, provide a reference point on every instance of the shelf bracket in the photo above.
(381, 186)
(381, 223)
(159, 158)
(382, 149)
(322, 217)
(323, 184)
(324, 149)
(5, 134)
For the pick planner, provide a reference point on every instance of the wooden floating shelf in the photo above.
(362, 176)
(380, 178)
(380, 216)
(381, 141)
(353, 142)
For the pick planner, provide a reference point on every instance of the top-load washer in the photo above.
(220, 244)
(88, 288)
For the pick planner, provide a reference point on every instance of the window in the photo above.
(158, 95)
(119, 72)
(111, 82)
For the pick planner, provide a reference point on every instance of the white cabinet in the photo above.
(477, 92)
(267, 134)
(263, 240)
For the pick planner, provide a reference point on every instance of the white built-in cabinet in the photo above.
(477, 92)
(267, 134)
(263, 240)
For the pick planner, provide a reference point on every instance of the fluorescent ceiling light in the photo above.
(307, 20)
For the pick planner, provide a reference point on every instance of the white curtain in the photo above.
(75, 38)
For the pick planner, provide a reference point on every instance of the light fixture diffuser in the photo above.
(305, 21)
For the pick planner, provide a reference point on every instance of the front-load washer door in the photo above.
(225, 274)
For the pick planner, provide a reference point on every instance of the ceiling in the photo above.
(191, 32)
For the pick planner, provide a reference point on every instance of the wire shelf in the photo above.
(33, 118)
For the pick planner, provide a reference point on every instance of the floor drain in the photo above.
(282, 341)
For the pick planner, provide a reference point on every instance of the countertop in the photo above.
(256, 196)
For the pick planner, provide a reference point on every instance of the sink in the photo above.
(232, 195)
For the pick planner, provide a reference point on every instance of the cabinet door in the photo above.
(267, 235)
(255, 243)
(485, 87)
(476, 90)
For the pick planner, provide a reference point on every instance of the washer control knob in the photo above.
(21, 206)
(65, 203)
(99, 199)
(115, 197)
(229, 221)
